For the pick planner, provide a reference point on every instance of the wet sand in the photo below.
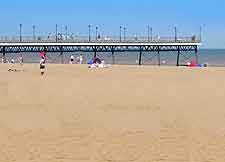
(119, 114)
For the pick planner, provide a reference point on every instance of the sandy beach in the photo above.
(118, 114)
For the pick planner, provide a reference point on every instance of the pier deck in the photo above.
(177, 45)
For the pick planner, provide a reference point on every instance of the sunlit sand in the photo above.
(118, 114)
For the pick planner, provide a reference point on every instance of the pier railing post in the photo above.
(175, 32)
(151, 34)
(120, 33)
(89, 33)
(21, 32)
(34, 36)
(56, 33)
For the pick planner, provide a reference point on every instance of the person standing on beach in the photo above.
(71, 59)
(77, 59)
(12, 65)
(81, 59)
(42, 65)
(4, 60)
(21, 59)
(12, 61)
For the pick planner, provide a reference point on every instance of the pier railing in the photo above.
(84, 39)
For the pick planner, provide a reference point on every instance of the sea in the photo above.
(211, 57)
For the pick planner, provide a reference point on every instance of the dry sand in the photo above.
(120, 114)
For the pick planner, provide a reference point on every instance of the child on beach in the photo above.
(20, 59)
(71, 59)
(12, 64)
(12, 61)
(42, 65)
(81, 59)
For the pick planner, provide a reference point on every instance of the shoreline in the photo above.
(116, 65)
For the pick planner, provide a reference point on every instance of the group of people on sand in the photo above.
(193, 63)
(95, 62)
(12, 62)
(79, 59)
(20, 60)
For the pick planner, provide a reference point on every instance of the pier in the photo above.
(186, 47)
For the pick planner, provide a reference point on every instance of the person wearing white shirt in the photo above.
(71, 59)
(81, 59)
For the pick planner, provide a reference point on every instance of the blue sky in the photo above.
(162, 15)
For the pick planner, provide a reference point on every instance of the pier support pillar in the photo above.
(196, 54)
(45, 49)
(61, 54)
(159, 60)
(3, 54)
(95, 52)
(113, 57)
(178, 56)
(140, 56)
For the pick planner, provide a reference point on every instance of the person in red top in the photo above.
(96, 60)
(193, 63)
(42, 65)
